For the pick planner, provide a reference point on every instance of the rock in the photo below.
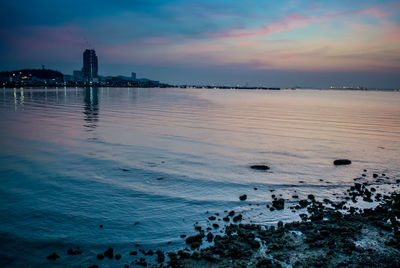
(375, 175)
(93, 266)
(100, 256)
(243, 197)
(183, 235)
(339, 162)
(210, 237)
(215, 225)
(279, 204)
(303, 203)
(109, 253)
(160, 256)
(212, 218)
(73, 252)
(133, 253)
(260, 167)
(101, 226)
(53, 256)
(117, 256)
(231, 213)
(194, 241)
(226, 219)
(237, 218)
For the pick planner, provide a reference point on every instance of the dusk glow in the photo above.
(277, 43)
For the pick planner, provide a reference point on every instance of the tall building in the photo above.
(133, 76)
(90, 64)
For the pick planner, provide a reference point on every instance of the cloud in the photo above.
(295, 20)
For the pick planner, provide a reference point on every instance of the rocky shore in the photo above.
(329, 234)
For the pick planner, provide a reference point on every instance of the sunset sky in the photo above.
(254, 42)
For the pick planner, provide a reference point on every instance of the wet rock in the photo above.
(303, 203)
(101, 226)
(160, 256)
(260, 167)
(295, 196)
(212, 218)
(215, 225)
(243, 197)
(279, 204)
(118, 256)
(133, 253)
(53, 256)
(339, 162)
(375, 175)
(237, 218)
(210, 237)
(74, 252)
(141, 262)
(100, 256)
(194, 241)
(93, 266)
(226, 218)
(109, 253)
(182, 235)
(255, 188)
(231, 213)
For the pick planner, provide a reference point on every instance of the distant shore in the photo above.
(187, 86)
(138, 86)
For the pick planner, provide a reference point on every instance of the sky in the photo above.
(217, 42)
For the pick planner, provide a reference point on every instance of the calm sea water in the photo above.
(148, 163)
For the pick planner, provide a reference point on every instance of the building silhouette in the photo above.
(90, 65)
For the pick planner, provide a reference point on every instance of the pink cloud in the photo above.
(294, 20)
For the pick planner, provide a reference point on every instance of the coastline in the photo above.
(330, 234)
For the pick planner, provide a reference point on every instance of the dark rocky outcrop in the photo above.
(53, 256)
(279, 204)
(109, 253)
(340, 162)
(243, 197)
(260, 167)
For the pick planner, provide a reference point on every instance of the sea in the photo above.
(148, 164)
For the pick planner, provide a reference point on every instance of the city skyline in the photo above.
(305, 43)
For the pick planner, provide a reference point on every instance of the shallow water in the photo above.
(148, 163)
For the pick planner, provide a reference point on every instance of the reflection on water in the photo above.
(163, 157)
(91, 108)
